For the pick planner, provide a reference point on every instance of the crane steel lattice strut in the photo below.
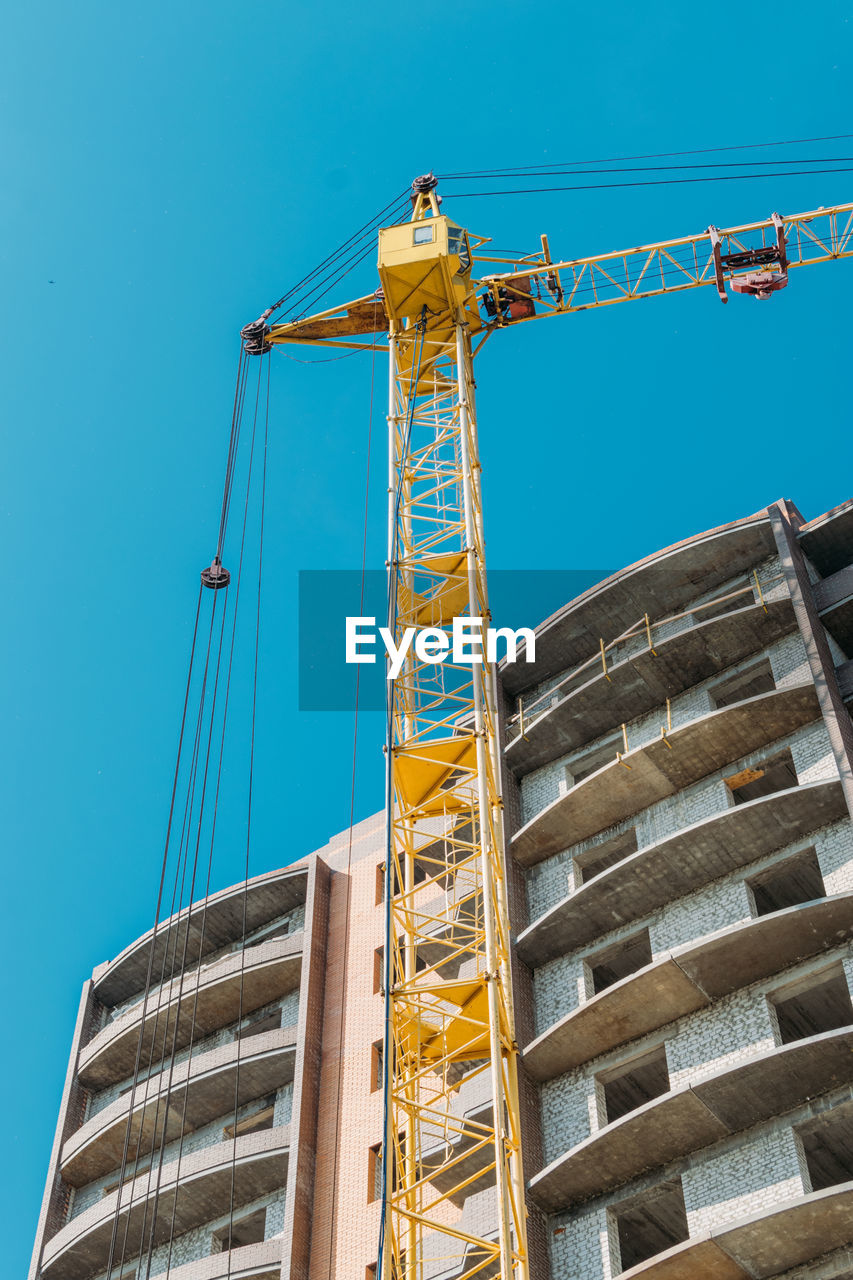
(448, 990)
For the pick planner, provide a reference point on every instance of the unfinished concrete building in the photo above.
(679, 789)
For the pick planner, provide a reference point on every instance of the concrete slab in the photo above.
(638, 1004)
(220, 920)
(268, 971)
(660, 584)
(775, 1081)
(654, 1134)
(261, 1261)
(662, 872)
(644, 681)
(266, 1063)
(693, 1116)
(688, 978)
(796, 1233)
(259, 1162)
(661, 768)
(699, 1259)
(762, 1246)
(745, 953)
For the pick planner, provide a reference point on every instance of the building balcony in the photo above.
(203, 1192)
(643, 681)
(221, 921)
(834, 599)
(683, 1120)
(209, 999)
(667, 580)
(663, 767)
(260, 1261)
(659, 873)
(205, 1085)
(763, 1245)
(688, 978)
(828, 539)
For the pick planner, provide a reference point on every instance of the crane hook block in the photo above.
(254, 337)
(216, 576)
(760, 284)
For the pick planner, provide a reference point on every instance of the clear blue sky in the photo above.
(172, 168)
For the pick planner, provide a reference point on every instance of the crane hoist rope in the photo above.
(452, 1109)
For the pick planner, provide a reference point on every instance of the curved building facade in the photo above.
(679, 792)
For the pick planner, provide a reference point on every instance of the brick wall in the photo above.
(754, 1175)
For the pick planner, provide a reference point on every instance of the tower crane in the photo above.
(448, 985)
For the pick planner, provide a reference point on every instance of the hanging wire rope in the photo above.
(656, 182)
(340, 270)
(654, 168)
(368, 228)
(249, 807)
(164, 1004)
(654, 155)
(162, 991)
(154, 935)
(166, 1093)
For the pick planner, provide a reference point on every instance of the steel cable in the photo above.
(250, 797)
(658, 182)
(654, 155)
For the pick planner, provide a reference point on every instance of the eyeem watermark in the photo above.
(464, 645)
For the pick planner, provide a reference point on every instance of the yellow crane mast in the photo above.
(448, 989)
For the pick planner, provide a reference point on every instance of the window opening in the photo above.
(374, 1173)
(257, 1025)
(754, 680)
(248, 1230)
(775, 773)
(377, 1076)
(592, 761)
(828, 1147)
(788, 883)
(649, 1223)
(818, 1003)
(256, 1122)
(592, 862)
(618, 960)
(634, 1083)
